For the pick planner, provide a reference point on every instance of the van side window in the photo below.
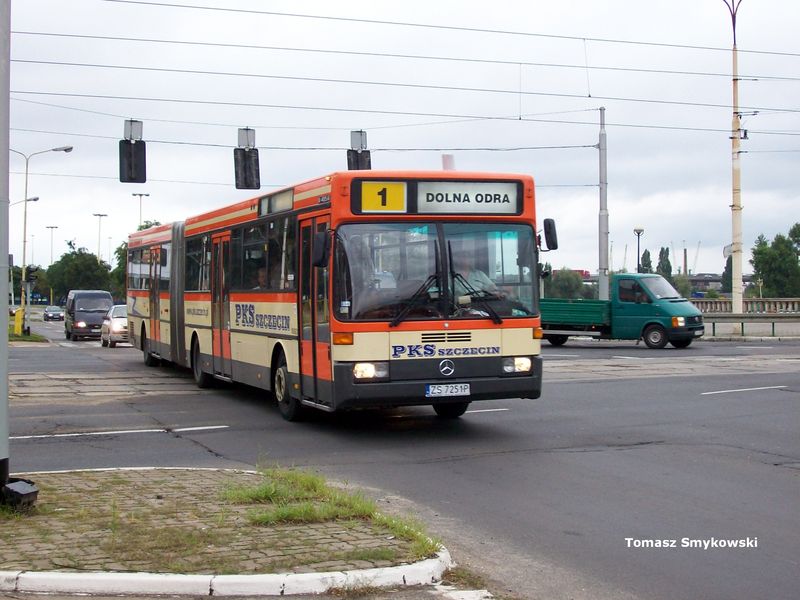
(627, 290)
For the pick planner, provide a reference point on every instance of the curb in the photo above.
(424, 572)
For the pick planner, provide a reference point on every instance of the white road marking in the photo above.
(754, 347)
(484, 410)
(755, 389)
(635, 357)
(120, 432)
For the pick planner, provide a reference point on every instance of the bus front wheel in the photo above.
(453, 410)
(290, 408)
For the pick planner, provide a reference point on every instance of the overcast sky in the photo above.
(505, 75)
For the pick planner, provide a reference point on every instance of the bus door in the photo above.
(155, 300)
(315, 334)
(220, 313)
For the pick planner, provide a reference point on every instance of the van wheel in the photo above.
(655, 336)
(103, 343)
(681, 343)
(73, 337)
(112, 344)
(66, 334)
(556, 340)
(149, 359)
(453, 410)
(201, 378)
(290, 408)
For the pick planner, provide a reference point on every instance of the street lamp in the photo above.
(99, 222)
(638, 231)
(51, 228)
(140, 205)
(736, 189)
(27, 157)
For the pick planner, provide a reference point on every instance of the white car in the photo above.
(115, 326)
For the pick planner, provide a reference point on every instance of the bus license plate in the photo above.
(435, 390)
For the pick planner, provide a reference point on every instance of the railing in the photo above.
(747, 321)
(751, 306)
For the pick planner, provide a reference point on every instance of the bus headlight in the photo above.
(678, 322)
(371, 371)
(517, 364)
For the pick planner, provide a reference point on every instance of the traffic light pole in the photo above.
(5, 57)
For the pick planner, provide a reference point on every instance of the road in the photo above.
(552, 498)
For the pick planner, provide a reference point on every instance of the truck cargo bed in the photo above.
(576, 313)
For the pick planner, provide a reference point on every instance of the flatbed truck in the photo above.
(642, 306)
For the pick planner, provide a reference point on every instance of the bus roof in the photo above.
(304, 194)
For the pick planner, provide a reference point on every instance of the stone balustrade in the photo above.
(754, 306)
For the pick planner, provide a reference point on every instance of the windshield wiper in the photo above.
(481, 295)
(412, 302)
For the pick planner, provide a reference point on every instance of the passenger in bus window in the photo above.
(260, 280)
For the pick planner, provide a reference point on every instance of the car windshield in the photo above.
(52, 309)
(660, 288)
(93, 303)
(400, 271)
(119, 311)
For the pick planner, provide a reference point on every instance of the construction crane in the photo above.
(696, 255)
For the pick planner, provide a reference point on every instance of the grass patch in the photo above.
(289, 496)
(12, 337)
(355, 591)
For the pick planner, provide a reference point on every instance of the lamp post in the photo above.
(99, 222)
(140, 205)
(27, 157)
(638, 231)
(51, 228)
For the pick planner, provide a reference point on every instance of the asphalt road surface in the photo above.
(562, 497)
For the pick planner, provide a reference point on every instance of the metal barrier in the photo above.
(750, 318)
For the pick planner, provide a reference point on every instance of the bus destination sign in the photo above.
(439, 197)
(467, 197)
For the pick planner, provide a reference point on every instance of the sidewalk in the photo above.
(168, 531)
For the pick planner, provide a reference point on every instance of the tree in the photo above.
(727, 276)
(78, 270)
(664, 267)
(565, 283)
(683, 285)
(646, 262)
(777, 264)
(117, 277)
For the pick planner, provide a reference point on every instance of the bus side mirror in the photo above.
(550, 235)
(321, 249)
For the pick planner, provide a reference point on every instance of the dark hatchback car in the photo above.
(53, 313)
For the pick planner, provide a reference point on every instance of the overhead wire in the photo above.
(402, 85)
(441, 27)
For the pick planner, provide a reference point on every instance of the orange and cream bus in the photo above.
(355, 290)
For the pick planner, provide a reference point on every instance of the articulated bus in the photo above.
(361, 289)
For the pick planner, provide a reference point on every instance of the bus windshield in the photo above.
(418, 270)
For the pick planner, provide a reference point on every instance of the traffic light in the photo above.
(358, 160)
(246, 166)
(132, 161)
(31, 273)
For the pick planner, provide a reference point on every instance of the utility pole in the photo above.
(602, 271)
(736, 186)
(5, 58)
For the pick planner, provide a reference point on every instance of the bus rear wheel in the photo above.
(453, 410)
(290, 408)
(149, 359)
(201, 378)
